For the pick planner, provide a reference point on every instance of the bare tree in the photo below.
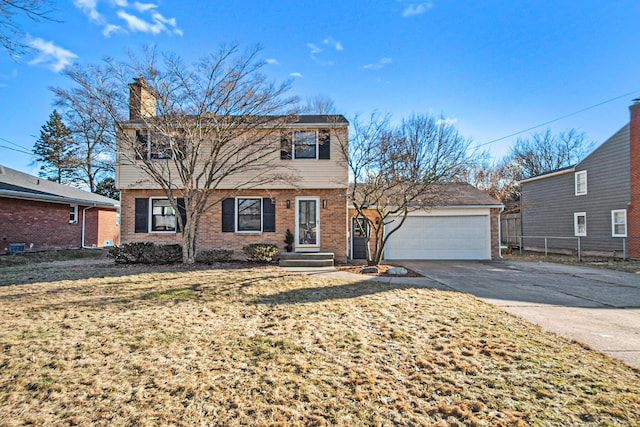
(91, 127)
(395, 171)
(319, 104)
(11, 34)
(199, 125)
(545, 152)
(497, 179)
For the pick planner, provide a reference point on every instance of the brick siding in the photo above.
(333, 221)
(633, 212)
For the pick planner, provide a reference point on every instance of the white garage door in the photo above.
(441, 237)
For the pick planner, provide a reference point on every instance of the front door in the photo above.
(307, 224)
(359, 237)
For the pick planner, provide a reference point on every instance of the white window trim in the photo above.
(577, 174)
(613, 223)
(237, 213)
(75, 214)
(150, 221)
(575, 224)
(293, 145)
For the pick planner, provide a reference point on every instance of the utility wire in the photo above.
(15, 149)
(557, 119)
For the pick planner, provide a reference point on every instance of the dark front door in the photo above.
(359, 233)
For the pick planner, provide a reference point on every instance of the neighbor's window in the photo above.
(619, 223)
(305, 144)
(163, 216)
(73, 214)
(581, 183)
(249, 216)
(580, 223)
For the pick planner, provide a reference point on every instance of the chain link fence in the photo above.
(609, 247)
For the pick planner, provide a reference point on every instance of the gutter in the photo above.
(55, 199)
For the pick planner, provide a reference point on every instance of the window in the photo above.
(153, 145)
(73, 214)
(249, 216)
(163, 216)
(581, 183)
(580, 223)
(619, 223)
(305, 144)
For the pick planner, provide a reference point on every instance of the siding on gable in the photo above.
(549, 204)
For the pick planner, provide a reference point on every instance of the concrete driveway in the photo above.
(598, 307)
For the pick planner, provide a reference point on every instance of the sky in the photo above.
(492, 68)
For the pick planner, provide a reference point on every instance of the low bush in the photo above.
(215, 255)
(260, 252)
(146, 253)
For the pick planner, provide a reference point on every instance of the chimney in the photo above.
(633, 211)
(142, 102)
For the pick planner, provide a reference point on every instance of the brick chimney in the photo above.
(142, 102)
(633, 213)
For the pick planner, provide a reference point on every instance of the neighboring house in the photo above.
(313, 207)
(593, 199)
(37, 214)
(465, 225)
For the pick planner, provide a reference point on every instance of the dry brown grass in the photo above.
(171, 346)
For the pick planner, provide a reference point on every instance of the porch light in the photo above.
(324, 203)
(288, 204)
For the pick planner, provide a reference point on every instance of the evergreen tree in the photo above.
(55, 150)
(107, 188)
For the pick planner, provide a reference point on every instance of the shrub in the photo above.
(215, 255)
(260, 252)
(146, 253)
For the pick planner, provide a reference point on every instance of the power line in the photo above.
(15, 149)
(557, 119)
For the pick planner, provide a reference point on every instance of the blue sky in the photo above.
(491, 67)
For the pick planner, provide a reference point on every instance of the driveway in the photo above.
(598, 307)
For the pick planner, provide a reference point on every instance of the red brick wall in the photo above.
(101, 225)
(633, 213)
(333, 221)
(45, 225)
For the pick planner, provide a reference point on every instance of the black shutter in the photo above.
(268, 215)
(141, 146)
(285, 145)
(324, 144)
(181, 210)
(229, 215)
(142, 215)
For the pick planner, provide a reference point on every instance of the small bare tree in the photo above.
(199, 125)
(395, 171)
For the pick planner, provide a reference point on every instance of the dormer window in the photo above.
(581, 183)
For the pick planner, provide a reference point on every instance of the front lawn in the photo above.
(173, 346)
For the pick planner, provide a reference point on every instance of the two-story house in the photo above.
(597, 200)
(312, 204)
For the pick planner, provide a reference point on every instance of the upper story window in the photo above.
(73, 214)
(163, 216)
(619, 223)
(580, 223)
(153, 145)
(305, 144)
(581, 183)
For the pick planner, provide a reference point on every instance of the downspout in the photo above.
(500, 232)
(84, 222)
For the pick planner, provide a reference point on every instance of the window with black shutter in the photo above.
(324, 144)
(268, 215)
(142, 215)
(285, 145)
(229, 215)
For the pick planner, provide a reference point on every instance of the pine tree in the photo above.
(107, 188)
(55, 150)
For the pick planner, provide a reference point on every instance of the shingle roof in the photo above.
(20, 185)
(463, 194)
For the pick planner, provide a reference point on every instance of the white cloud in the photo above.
(272, 61)
(143, 7)
(120, 3)
(158, 25)
(89, 8)
(51, 56)
(314, 49)
(447, 121)
(378, 65)
(336, 44)
(298, 75)
(414, 9)
(110, 28)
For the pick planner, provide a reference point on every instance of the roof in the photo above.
(337, 120)
(464, 194)
(549, 174)
(19, 185)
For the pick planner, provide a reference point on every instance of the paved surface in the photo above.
(598, 307)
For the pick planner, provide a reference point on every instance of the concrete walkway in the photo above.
(598, 307)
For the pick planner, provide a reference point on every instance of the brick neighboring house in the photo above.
(597, 200)
(314, 208)
(37, 214)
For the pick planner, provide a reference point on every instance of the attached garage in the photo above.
(441, 234)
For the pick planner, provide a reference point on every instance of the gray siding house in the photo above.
(588, 200)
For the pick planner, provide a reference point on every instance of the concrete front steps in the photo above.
(306, 259)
